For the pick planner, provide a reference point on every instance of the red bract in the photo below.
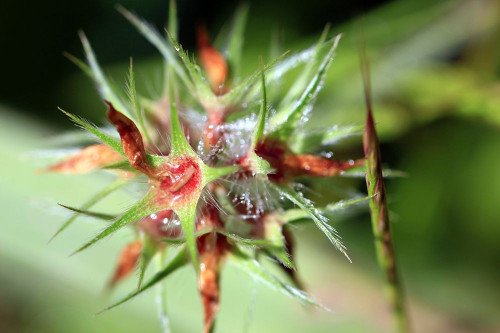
(126, 262)
(132, 142)
(212, 61)
(288, 165)
(87, 160)
(211, 248)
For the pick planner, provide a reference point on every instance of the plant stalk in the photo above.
(379, 213)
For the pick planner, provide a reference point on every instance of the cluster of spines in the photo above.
(178, 176)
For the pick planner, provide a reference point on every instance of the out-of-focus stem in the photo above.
(161, 296)
(378, 208)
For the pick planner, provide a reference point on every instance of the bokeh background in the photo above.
(435, 71)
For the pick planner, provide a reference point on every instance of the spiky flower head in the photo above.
(221, 163)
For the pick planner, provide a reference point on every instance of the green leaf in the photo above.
(292, 215)
(275, 49)
(149, 249)
(210, 174)
(113, 143)
(308, 141)
(256, 270)
(180, 145)
(234, 48)
(320, 221)
(290, 63)
(187, 216)
(172, 18)
(300, 84)
(92, 201)
(285, 121)
(142, 208)
(258, 164)
(203, 90)
(258, 131)
(105, 89)
(159, 42)
(177, 262)
(238, 92)
(100, 216)
(135, 105)
(245, 241)
(80, 64)
(172, 28)
(274, 234)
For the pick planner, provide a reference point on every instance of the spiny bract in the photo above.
(212, 136)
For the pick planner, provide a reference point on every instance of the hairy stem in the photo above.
(379, 213)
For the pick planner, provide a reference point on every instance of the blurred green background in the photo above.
(435, 72)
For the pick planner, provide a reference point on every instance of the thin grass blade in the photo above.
(100, 216)
(92, 201)
(141, 209)
(138, 112)
(103, 85)
(177, 262)
(234, 48)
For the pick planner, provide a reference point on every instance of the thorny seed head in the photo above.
(242, 164)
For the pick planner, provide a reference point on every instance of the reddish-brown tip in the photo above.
(132, 142)
(213, 61)
(126, 262)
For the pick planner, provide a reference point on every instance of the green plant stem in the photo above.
(161, 295)
(379, 213)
